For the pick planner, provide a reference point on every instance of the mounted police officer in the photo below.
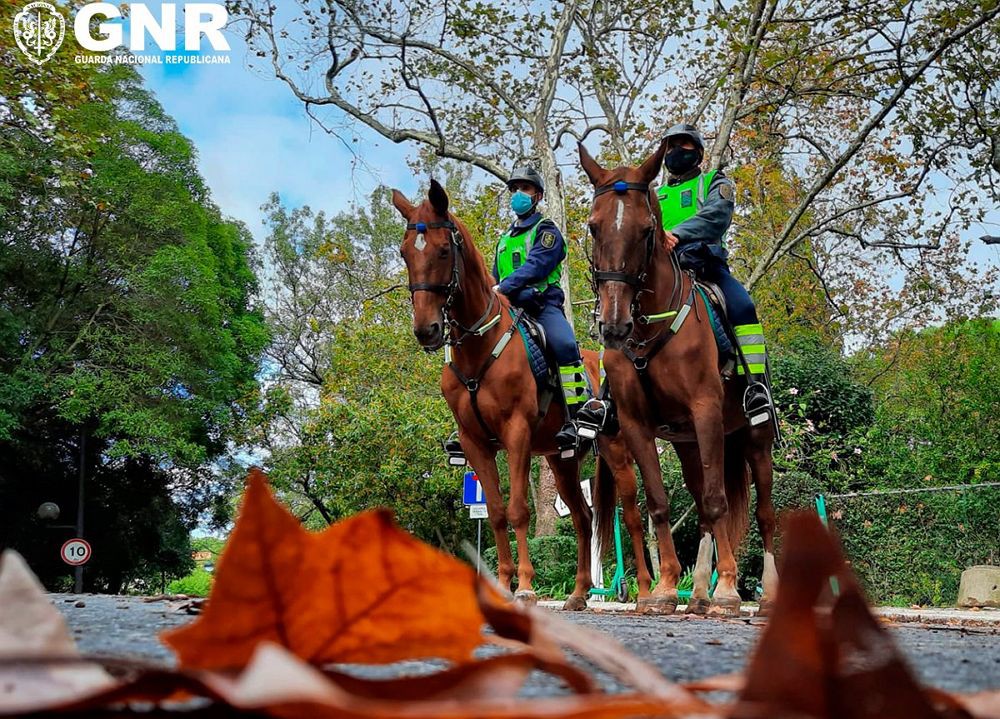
(697, 209)
(528, 268)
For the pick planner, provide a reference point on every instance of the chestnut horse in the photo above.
(662, 364)
(491, 391)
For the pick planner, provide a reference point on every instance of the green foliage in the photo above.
(127, 321)
(196, 584)
(554, 560)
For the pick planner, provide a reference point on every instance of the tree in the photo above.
(127, 310)
(871, 113)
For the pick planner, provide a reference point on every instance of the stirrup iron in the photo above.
(453, 448)
(757, 404)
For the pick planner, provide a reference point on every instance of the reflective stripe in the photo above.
(754, 368)
(746, 340)
(741, 330)
(750, 350)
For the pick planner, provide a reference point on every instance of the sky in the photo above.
(254, 138)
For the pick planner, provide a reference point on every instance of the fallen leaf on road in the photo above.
(360, 591)
(31, 629)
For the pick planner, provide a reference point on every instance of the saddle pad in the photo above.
(721, 338)
(536, 354)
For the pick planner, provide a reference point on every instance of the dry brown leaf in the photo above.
(361, 591)
(32, 629)
(284, 686)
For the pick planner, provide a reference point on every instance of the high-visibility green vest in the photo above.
(512, 251)
(680, 202)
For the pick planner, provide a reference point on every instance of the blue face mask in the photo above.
(521, 203)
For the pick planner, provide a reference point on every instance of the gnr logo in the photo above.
(39, 28)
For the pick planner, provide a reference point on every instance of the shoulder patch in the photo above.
(726, 191)
(547, 240)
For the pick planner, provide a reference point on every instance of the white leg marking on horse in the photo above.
(770, 578)
(703, 568)
(620, 216)
(419, 242)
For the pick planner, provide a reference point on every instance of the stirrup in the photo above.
(757, 405)
(591, 418)
(567, 449)
(453, 448)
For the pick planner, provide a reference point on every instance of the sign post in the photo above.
(473, 498)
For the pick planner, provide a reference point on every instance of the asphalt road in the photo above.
(684, 648)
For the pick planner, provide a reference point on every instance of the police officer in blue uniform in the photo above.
(528, 268)
(697, 209)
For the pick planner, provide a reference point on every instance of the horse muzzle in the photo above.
(614, 336)
(430, 337)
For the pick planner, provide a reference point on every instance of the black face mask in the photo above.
(680, 160)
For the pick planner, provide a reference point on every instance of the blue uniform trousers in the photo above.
(562, 341)
(738, 303)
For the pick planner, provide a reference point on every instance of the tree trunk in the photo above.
(545, 498)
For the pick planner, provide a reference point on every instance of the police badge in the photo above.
(39, 30)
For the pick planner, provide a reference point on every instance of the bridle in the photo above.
(638, 283)
(450, 290)
(635, 281)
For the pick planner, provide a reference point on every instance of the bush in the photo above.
(554, 559)
(196, 584)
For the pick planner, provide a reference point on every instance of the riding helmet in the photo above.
(689, 130)
(526, 173)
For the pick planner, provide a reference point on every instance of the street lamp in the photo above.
(48, 511)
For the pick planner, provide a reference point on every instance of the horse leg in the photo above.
(484, 460)
(614, 453)
(690, 459)
(758, 453)
(567, 476)
(707, 419)
(730, 528)
(517, 439)
(642, 444)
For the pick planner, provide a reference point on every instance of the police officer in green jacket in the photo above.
(528, 268)
(697, 209)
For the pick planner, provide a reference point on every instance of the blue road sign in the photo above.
(472, 490)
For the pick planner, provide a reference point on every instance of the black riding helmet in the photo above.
(527, 173)
(688, 130)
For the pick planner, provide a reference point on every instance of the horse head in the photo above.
(431, 249)
(625, 225)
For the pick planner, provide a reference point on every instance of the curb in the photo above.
(986, 617)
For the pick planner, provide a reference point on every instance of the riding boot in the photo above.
(453, 448)
(595, 414)
(575, 391)
(757, 404)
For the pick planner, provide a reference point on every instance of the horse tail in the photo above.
(737, 479)
(605, 503)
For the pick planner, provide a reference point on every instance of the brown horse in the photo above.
(663, 367)
(491, 391)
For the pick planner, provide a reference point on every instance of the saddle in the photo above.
(721, 326)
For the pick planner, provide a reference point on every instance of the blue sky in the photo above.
(253, 137)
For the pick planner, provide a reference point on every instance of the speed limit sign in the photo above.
(75, 551)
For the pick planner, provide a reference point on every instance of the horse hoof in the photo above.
(526, 597)
(697, 606)
(765, 607)
(574, 603)
(725, 607)
(656, 605)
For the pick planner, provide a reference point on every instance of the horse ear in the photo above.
(439, 198)
(651, 167)
(594, 171)
(404, 206)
